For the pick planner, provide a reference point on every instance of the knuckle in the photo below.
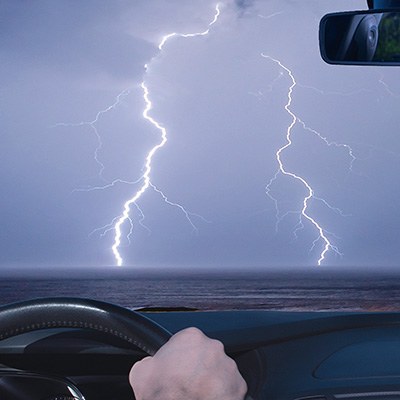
(141, 364)
(217, 345)
(231, 364)
(191, 333)
(192, 337)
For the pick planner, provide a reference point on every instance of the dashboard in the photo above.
(282, 355)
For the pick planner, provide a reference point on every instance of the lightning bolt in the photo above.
(271, 15)
(322, 234)
(146, 181)
(387, 88)
(188, 35)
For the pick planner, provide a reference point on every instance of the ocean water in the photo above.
(291, 290)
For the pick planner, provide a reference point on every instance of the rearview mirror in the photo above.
(361, 38)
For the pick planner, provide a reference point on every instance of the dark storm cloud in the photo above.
(244, 4)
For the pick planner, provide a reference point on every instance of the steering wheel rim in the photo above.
(93, 315)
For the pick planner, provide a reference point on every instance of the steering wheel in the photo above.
(93, 315)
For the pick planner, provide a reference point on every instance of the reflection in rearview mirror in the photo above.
(361, 38)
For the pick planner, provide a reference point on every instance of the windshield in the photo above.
(195, 154)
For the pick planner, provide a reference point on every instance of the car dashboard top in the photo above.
(282, 355)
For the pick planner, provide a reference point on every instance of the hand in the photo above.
(190, 366)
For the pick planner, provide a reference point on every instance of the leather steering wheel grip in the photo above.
(93, 315)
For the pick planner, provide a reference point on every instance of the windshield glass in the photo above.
(195, 154)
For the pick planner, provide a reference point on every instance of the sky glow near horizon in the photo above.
(74, 138)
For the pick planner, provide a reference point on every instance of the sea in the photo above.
(289, 289)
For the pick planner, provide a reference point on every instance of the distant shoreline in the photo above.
(131, 272)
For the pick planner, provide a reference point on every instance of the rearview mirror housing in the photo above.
(361, 38)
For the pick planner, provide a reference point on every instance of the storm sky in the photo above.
(223, 105)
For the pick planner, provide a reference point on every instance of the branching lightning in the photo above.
(329, 143)
(92, 125)
(187, 214)
(146, 181)
(145, 176)
(123, 225)
(271, 15)
(322, 234)
(386, 86)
